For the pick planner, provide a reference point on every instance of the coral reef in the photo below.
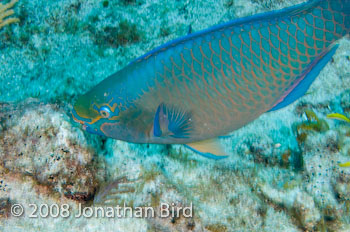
(49, 150)
(285, 169)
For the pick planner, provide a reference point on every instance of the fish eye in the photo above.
(105, 112)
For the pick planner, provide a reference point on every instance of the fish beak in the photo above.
(85, 125)
(76, 117)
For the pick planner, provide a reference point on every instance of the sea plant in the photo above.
(5, 12)
(313, 123)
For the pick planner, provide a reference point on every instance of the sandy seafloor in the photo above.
(282, 174)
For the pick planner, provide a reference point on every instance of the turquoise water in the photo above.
(283, 173)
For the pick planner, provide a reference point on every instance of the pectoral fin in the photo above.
(210, 148)
(171, 121)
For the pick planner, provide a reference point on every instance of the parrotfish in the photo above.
(209, 83)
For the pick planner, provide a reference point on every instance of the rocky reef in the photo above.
(38, 142)
(283, 173)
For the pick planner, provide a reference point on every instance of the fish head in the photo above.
(94, 110)
(114, 117)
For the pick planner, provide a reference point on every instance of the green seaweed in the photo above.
(319, 126)
(301, 138)
(155, 200)
(216, 228)
(290, 185)
(128, 33)
(150, 175)
(228, 3)
(165, 31)
(183, 157)
(313, 123)
(105, 4)
(128, 2)
(125, 33)
(311, 116)
(297, 161)
(285, 158)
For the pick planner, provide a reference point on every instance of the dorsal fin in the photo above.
(271, 15)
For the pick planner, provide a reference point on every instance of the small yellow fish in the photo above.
(339, 117)
(345, 165)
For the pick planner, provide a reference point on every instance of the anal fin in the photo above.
(210, 148)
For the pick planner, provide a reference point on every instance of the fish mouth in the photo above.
(85, 124)
(79, 120)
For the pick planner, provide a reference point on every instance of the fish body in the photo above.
(212, 82)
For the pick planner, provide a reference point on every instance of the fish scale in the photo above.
(221, 78)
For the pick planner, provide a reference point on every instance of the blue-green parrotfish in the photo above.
(209, 83)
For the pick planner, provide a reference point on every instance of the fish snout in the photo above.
(75, 117)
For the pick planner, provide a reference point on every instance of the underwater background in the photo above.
(283, 172)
